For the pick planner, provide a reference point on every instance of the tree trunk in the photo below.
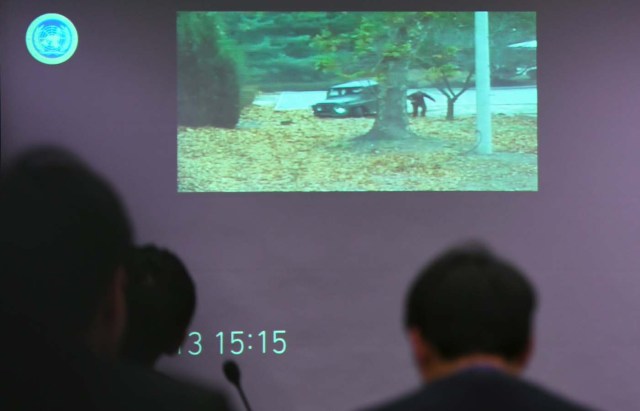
(450, 105)
(392, 122)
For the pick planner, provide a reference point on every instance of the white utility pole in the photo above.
(483, 83)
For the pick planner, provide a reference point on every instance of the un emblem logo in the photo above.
(52, 39)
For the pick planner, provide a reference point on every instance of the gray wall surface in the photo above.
(332, 268)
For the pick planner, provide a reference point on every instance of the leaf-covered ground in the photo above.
(295, 151)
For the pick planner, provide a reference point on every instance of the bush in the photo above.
(208, 78)
(247, 95)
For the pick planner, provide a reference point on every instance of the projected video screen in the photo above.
(356, 101)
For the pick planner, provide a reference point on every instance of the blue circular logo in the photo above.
(52, 38)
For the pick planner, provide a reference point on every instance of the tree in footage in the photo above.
(208, 77)
(381, 45)
(444, 71)
(447, 54)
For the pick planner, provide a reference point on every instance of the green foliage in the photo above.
(506, 29)
(276, 45)
(208, 74)
(371, 41)
(450, 42)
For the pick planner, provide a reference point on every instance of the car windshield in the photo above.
(338, 92)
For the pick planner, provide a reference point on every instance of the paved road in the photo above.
(504, 100)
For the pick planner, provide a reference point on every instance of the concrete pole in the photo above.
(483, 83)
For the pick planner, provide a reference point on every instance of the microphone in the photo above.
(232, 373)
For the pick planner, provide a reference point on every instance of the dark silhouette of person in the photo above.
(161, 299)
(418, 103)
(63, 240)
(469, 321)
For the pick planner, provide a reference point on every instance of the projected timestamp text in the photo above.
(235, 343)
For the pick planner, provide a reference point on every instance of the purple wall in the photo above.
(332, 269)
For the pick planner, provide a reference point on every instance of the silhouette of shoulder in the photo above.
(481, 390)
(128, 387)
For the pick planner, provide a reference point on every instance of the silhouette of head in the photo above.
(64, 235)
(160, 303)
(470, 302)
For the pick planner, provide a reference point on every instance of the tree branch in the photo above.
(467, 84)
(442, 90)
(446, 82)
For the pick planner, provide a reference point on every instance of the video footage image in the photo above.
(354, 101)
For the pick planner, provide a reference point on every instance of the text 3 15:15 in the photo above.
(238, 342)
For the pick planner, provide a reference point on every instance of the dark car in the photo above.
(354, 99)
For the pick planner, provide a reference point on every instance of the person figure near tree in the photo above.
(418, 103)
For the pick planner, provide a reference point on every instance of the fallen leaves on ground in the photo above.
(295, 151)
